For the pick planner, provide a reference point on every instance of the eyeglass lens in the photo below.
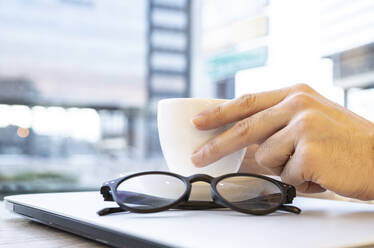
(150, 191)
(250, 193)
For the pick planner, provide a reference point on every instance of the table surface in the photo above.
(16, 231)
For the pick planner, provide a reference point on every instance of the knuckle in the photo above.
(259, 156)
(210, 117)
(301, 100)
(218, 112)
(247, 101)
(306, 120)
(204, 155)
(302, 87)
(266, 157)
(242, 128)
(302, 168)
(211, 149)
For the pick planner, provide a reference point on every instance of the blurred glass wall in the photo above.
(80, 79)
(72, 81)
(259, 45)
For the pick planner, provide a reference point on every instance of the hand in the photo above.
(309, 141)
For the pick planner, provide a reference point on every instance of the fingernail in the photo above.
(198, 120)
(196, 158)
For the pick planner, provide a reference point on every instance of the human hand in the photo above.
(309, 141)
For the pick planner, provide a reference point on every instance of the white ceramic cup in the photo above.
(179, 138)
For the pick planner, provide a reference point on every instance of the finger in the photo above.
(238, 109)
(274, 152)
(248, 131)
(310, 187)
(246, 106)
(295, 173)
(249, 164)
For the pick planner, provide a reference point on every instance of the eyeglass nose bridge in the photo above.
(200, 178)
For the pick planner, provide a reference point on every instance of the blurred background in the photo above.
(80, 79)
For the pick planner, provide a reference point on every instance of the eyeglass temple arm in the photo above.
(191, 205)
(195, 205)
(263, 199)
(106, 211)
(291, 209)
(204, 205)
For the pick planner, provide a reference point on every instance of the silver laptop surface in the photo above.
(322, 223)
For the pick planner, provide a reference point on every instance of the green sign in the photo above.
(227, 64)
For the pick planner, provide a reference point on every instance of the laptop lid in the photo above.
(323, 223)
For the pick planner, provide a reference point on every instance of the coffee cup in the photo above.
(179, 138)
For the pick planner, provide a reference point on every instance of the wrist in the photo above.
(372, 143)
(372, 158)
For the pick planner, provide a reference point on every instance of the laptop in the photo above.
(322, 223)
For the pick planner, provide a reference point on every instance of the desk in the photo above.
(16, 231)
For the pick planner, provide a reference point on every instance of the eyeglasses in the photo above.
(149, 192)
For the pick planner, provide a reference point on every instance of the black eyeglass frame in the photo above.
(109, 192)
